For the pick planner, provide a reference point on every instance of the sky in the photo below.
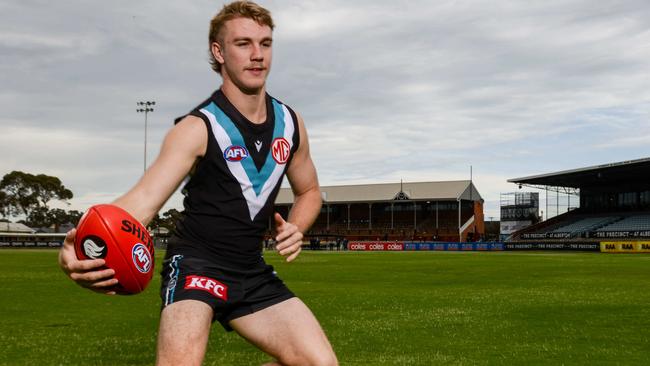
(414, 91)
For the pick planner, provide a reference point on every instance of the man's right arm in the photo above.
(183, 145)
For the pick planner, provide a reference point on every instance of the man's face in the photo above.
(244, 53)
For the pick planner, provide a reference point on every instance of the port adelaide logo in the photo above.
(235, 153)
(141, 258)
(94, 247)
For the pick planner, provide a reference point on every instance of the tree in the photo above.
(167, 220)
(25, 194)
(73, 217)
(3, 203)
(170, 218)
(38, 217)
(54, 218)
(155, 222)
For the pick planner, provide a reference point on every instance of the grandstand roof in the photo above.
(10, 227)
(441, 191)
(606, 174)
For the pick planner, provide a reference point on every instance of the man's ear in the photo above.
(217, 52)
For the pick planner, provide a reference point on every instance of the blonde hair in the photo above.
(236, 9)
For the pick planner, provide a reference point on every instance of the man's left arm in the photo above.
(307, 200)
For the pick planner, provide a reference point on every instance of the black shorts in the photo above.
(231, 293)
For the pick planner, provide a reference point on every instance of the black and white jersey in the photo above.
(230, 194)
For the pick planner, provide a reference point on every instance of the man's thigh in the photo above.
(289, 332)
(183, 333)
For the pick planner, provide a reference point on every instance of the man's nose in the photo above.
(257, 53)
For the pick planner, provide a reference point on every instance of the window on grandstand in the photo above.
(627, 199)
(448, 206)
(644, 198)
(325, 208)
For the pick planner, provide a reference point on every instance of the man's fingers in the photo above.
(90, 274)
(92, 277)
(105, 291)
(279, 221)
(69, 237)
(290, 244)
(85, 265)
(285, 234)
(102, 284)
(288, 231)
(289, 241)
(294, 255)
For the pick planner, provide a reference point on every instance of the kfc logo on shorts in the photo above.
(206, 284)
(235, 153)
(280, 150)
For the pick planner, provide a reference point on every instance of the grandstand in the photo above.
(438, 211)
(10, 227)
(614, 204)
(17, 235)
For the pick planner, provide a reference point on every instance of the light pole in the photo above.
(146, 107)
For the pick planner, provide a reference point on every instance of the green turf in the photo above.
(398, 308)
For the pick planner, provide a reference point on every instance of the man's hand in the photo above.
(86, 273)
(289, 238)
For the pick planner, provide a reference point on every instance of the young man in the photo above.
(236, 146)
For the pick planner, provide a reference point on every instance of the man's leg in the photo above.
(183, 333)
(289, 332)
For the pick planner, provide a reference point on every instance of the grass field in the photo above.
(392, 308)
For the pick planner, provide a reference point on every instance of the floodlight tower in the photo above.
(145, 107)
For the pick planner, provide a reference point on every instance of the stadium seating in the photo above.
(630, 223)
(581, 226)
(584, 225)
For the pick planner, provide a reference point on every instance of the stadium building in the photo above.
(614, 204)
(16, 235)
(422, 211)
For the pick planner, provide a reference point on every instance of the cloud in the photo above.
(415, 91)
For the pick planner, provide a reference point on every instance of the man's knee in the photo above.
(309, 359)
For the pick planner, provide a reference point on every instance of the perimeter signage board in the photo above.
(375, 245)
(625, 246)
(422, 246)
(621, 234)
(553, 246)
(551, 235)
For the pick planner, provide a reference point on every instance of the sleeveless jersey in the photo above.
(230, 194)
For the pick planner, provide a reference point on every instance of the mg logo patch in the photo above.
(280, 150)
(212, 286)
(141, 258)
(235, 153)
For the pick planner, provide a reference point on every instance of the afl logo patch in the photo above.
(141, 258)
(280, 150)
(235, 153)
(94, 247)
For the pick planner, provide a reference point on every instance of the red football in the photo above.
(109, 232)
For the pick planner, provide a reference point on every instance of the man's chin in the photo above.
(248, 86)
(251, 89)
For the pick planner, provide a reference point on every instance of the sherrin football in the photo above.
(108, 232)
